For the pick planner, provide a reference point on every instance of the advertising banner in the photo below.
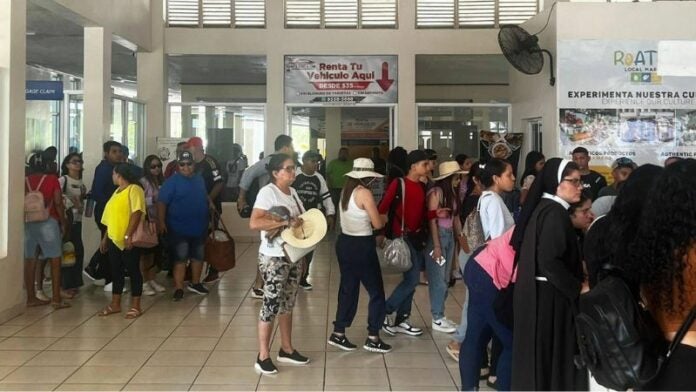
(341, 80)
(166, 148)
(614, 101)
(502, 146)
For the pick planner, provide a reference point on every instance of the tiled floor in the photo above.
(209, 343)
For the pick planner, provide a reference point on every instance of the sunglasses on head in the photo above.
(182, 164)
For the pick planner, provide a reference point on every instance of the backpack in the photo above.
(473, 229)
(34, 205)
(619, 341)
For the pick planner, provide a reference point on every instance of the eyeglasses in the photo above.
(77, 162)
(577, 182)
(289, 169)
(156, 166)
(182, 164)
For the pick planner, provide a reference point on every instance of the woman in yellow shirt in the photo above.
(122, 213)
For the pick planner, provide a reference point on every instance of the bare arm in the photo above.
(262, 220)
(215, 192)
(161, 214)
(365, 201)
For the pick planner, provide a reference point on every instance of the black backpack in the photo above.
(619, 341)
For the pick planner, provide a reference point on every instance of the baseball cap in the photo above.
(185, 156)
(416, 156)
(195, 142)
(623, 162)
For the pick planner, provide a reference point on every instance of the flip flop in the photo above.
(60, 305)
(37, 303)
(133, 313)
(107, 311)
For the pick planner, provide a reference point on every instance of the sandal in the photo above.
(60, 305)
(107, 311)
(133, 313)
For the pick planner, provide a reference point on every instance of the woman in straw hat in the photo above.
(357, 259)
(443, 208)
(277, 206)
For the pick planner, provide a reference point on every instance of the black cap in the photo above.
(416, 156)
(185, 156)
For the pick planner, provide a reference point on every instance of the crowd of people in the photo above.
(552, 245)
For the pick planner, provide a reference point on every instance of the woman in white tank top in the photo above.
(357, 259)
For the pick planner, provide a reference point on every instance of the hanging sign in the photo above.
(341, 80)
(44, 90)
(615, 101)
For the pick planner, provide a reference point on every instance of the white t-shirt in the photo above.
(495, 217)
(271, 196)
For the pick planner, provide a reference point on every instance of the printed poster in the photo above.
(341, 80)
(615, 102)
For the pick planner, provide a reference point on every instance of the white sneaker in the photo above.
(407, 328)
(41, 295)
(444, 325)
(148, 290)
(158, 287)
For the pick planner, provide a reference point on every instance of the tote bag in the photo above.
(396, 255)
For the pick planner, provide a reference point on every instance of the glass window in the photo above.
(116, 132)
(220, 126)
(42, 125)
(75, 121)
(452, 130)
(341, 13)
(135, 130)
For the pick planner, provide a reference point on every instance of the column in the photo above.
(407, 132)
(12, 123)
(152, 81)
(275, 99)
(97, 109)
(332, 116)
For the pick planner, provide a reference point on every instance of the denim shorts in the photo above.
(184, 248)
(46, 235)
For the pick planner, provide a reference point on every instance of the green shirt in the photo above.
(336, 171)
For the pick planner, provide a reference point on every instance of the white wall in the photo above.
(275, 41)
(462, 93)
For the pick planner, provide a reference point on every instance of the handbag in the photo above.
(145, 234)
(219, 245)
(396, 253)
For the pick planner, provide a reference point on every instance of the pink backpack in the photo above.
(35, 209)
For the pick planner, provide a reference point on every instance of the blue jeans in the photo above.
(461, 329)
(439, 275)
(401, 298)
(482, 325)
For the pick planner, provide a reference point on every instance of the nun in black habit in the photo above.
(549, 280)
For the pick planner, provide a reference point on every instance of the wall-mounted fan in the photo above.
(522, 50)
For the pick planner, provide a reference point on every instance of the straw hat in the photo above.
(362, 168)
(449, 168)
(312, 230)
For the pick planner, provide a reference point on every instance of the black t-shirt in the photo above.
(309, 190)
(212, 174)
(593, 183)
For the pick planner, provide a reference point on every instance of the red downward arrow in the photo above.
(384, 82)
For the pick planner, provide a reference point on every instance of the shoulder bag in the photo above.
(396, 253)
(145, 234)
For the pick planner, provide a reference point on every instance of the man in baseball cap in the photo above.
(620, 170)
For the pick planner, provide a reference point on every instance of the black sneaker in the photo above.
(197, 288)
(178, 295)
(266, 366)
(306, 285)
(256, 293)
(376, 346)
(212, 278)
(341, 342)
(295, 357)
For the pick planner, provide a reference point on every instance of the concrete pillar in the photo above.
(406, 124)
(152, 81)
(13, 49)
(275, 72)
(332, 124)
(97, 117)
